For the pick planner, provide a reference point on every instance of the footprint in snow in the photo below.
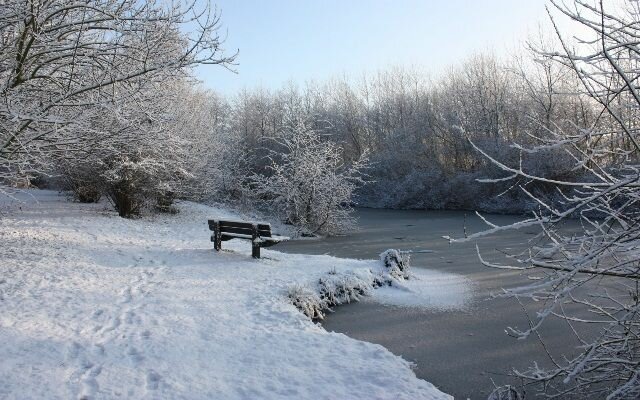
(126, 295)
(128, 317)
(97, 313)
(89, 382)
(115, 323)
(153, 380)
(73, 350)
(135, 356)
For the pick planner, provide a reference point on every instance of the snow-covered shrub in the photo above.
(396, 263)
(345, 288)
(165, 197)
(161, 149)
(131, 181)
(127, 183)
(308, 183)
(142, 179)
(331, 290)
(86, 194)
(505, 393)
(308, 301)
(335, 288)
(83, 185)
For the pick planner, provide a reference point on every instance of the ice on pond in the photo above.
(427, 289)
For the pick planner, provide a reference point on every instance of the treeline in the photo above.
(99, 98)
(417, 132)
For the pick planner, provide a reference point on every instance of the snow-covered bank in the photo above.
(96, 306)
(335, 288)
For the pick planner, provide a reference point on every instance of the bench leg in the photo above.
(255, 246)
(217, 242)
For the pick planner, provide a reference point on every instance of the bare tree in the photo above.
(307, 181)
(213, 151)
(590, 277)
(62, 63)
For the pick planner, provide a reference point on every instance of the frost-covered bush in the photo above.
(165, 197)
(86, 193)
(131, 182)
(308, 301)
(145, 164)
(335, 288)
(307, 181)
(83, 184)
(138, 180)
(127, 181)
(505, 393)
(396, 263)
(331, 290)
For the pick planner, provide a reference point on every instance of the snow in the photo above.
(93, 306)
(427, 289)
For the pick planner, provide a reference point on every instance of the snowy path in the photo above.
(93, 306)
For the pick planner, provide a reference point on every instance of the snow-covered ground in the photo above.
(96, 306)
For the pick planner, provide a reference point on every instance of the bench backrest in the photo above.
(240, 227)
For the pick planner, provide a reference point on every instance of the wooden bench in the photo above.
(258, 232)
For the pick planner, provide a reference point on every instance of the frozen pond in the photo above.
(453, 330)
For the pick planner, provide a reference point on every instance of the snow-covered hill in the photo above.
(95, 306)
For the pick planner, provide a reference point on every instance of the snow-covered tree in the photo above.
(65, 63)
(214, 153)
(307, 182)
(146, 163)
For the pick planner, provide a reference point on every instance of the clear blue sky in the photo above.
(299, 40)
